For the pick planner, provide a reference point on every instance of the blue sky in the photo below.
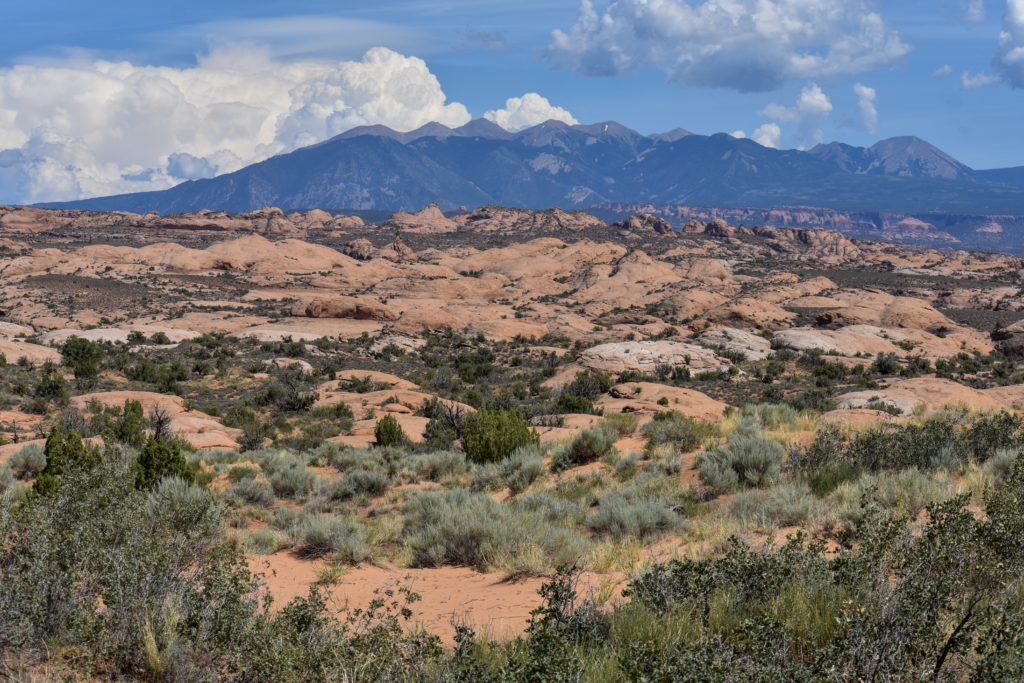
(655, 72)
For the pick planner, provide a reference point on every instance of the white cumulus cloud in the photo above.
(971, 81)
(529, 110)
(867, 111)
(768, 134)
(944, 70)
(747, 45)
(1010, 59)
(810, 111)
(85, 128)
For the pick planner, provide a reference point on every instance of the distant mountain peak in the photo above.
(903, 156)
(483, 128)
(671, 135)
(557, 164)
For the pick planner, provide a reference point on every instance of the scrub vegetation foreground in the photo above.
(712, 456)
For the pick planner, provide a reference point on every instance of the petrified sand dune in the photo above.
(644, 396)
(935, 394)
(646, 356)
(752, 346)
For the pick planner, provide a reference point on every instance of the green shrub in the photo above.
(28, 462)
(161, 458)
(492, 435)
(778, 506)
(6, 478)
(771, 416)
(237, 474)
(253, 492)
(266, 541)
(360, 482)
(749, 459)
(65, 453)
(682, 432)
(520, 469)
(287, 474)
(83, 357)
(255, 433)
(130, 426)
(320, 534)
(438, 465)
(622, 424)
(486, 477)
(905, 492)
(825, 479)
(621, 518)
(51, 385)
(472, 529)
(388, 432)
(948, 440)
(588, 446)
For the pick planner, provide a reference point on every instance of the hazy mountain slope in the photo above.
(556, 164)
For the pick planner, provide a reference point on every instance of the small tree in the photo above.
(83, 357)
(389, 433)
(492, 435)
(158, 459)
(130, 427)
(65, 452)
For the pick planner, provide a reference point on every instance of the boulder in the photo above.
(361, 250)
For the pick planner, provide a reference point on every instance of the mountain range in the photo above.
(578, 166)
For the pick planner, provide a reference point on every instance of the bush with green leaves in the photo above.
(749, 458)
(785, 505)
(96, 538)
(588, 446)
(161, 458)
(770, 416)
(389, 433)
(459, 527)
(65, 452)
(129, 426)
(287, 473)
(680, 431)
(492, 435)
(83, 357)
(290, 391)
(253, 491)
(622, 424)
(520, 469)
(51, 385)
(28, 462)
(319, 534)
(947, 440)
(620, 518)
(360, 482)
(942, 604)
(436, 465)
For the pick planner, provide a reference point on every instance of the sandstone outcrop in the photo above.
(647, 356)
(346, 307)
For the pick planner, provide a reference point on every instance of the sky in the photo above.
(115, 96)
